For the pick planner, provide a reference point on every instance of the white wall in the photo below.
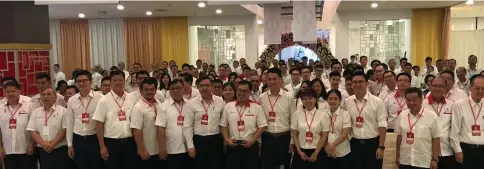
(340, 28)
(461, 24)
(251, 36)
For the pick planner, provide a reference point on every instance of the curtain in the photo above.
(75, 47)
(143, 40)
(426, 35)
(175, 39)
(446, 33)
(465, 43)
(107, 42)
(56, 45)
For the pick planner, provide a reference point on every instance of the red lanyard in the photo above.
(206, 108)
(400, 105)
(273, 104)
(240, 114)
(412, 125)
(15, 112)
(47, 117)
(472, 110)
(333, 120)
(119, 105)
(88, 103)
(306, 116)
(360, 110)
(180, 110)
(152, 105)
(440, 110)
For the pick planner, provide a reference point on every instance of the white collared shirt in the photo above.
(387, 92)
(168, 118)
(96, 80)
(75, 109)
(454, 94)
(137, 96)
(426, 127)
(238, 70)
(287, 79)
(143, 117)
(462, 121)
(444, 113)
(21, 99)
(424, 70)
(107, 112)
(255, 96)
(471, 73)
(193, 120)
(341, 120)
(374, 115)
(187, 97)
(463, 86)
(58, 76)
(293, 89)
(56, 122)
(377, 88)
(394, 104)
(15, 141)
(319, 121)
(35, 102)
(252, 115)
(283, 108)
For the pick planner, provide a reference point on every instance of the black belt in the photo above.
(85, 137)
(364, 141)
(279, 134)
(122, 140)
(472, 145)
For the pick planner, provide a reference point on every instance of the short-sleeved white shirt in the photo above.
(143, 117)
(107, 112)
(15, 141)
(167, 118)
(319, 121)
(253, 117)
(56, 122)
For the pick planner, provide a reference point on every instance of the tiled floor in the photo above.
(389, 159)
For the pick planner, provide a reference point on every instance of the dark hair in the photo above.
(216, 81)
(472, 56)
(375, 61)
(232, 74)
(149, 81)
(336, 63)
(202, 79)
(428, 58)
(187, 77)
(426, 79)
(43, 76)
(335, 91)
(408, 64)
(359, 73)
(391, 72)
(174, 81)
(246, 68)
(448, 71)
(174, 66)
(198, 60)
(117, 73)
(56, 65)
(358, 67)
(416, 67)
(11, 83)
(8, 78)
(473, 79)
(83, 72)
(186, 65)
(439, 60)
(73, 87)
(361, 57)
(245, 82)
(162, 85)
(61, 82)
(304, 57)
(137, 64)
(113, 68)
(235, 61)
(385, 66)
(276, 71)
(334, 73)
(231, 85)
(323, 90)
(105, 78)
(414, 90)
(403, 59)
(369, 73)
(405, 74)
(294, 69)
(142, 72)
(379, 65)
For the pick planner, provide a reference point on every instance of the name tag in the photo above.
(180, 120)
(309, 137)
(85, 118)
(122, 116)
(359, 121)
(204, 120)
(240, 125)
(476, 130)
(12, 123)
(45, 130)
(410, 138)
(272, 117)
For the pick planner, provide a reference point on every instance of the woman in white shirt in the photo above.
(309, 132)
(318, 86)
(338, 147)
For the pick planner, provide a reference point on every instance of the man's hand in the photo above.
(330, 150)
(104, 153)
(248, 143)
(70, 152)
(313, 157)
(163, 154)
(230, 142)
(144, 154)
(2, 153)
(459, 157)
(30, 149)
(291, 148)
(379, 153)
(397, 163)
(192, 152)
(303, 156)
(433, 164)
(47, 146)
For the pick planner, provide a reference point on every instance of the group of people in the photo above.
(296, 114)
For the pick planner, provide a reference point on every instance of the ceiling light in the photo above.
(120, 7)
(201, 4)
(259, 21)
(81, 15)
(470, 2)
(374, 5)
(218, 11)
(149, 13)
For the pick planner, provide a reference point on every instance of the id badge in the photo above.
(45, 130)
(85, 118)
(204, 120)
(309, 137)
(410, 137)
(359, 122)
(180, 120)
(122, 116)
(240, 125)
(332, 137)
(12, 123)
(476, 130)
(272, 117)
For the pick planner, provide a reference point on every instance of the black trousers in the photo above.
(298, 163)
(154, 162)
(57, 159)
(447, 162)
(364, 153)
(275, 150)
(243, 158)
(86, 152)
(178, 161)
(344, 162)
(209, 151)
(410, 167)
(473, 156)
(122, 153)
(20, 161)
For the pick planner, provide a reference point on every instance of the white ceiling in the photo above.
(393, 4)
(463, 10)
(138, 9)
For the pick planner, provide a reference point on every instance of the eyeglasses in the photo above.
(82, 81)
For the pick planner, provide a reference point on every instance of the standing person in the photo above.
(462, 82)
(122, 67)
(451, 92)
(369, 125)
(143, 117)
(428, 63)
(217, 86)
(392, 65)
(379, 86)
(285, 74)
(140, 77)
(295, 84)
(58, 75)
(189, 91)
(201, 129)
(338, 146)
(105, 85)
(42, 82)
(242, 124)
(47, 126)
(363, 63)
(396, 103)
(170, 121)
(82, 142)
(473, 69)
(306, 73)
(466, 135)
(390, 82)
(113, 116)
(256, 89)
(418, 134)
(278, 106)
(17, 146)
(309, 132)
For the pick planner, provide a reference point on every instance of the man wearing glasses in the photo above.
(396, 103)
(140, 77)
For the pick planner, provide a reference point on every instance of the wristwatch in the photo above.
(381, 147)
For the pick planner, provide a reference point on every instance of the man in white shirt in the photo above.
(466, 135)
(143, 117)
(173, 71)
(278, 105)
(295, 84)
(47, 126)
(335, 80)
(472, 70)
(396, 103)
(170, 120)
(17, 146)
(392, 65)
(236, 67)
(189, 92)
(140, 77)
(363, 63)
(105, 85)
(390, 83)
(336, 67)
(379, 86)
(242, 124)
(286, 77)
(462, 82)
(201, 128)
(369, 125)
(451, 92)
(428, 63)
(154, 67)
(418, 134)
(96, 77)
(5, 80)
(43, 81)
(256, 92)
(82, 142)
(58, 75)
(246, 72)
(436, 102)
(113, 115)
(122, 66)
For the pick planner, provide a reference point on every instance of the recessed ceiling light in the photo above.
(218, 11)
(470, 2)
(120, 7)
(374, 5)
(149, 13)
(201, 4)
(259, 21)
(81, 15)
